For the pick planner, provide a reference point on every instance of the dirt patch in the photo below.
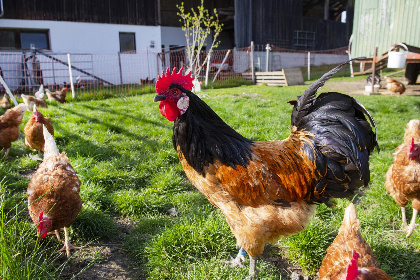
(109, 260)
(358, 87)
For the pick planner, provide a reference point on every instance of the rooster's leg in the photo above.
(252, 266)
(404, 218)
(67, 246)
(412, 225)
(240, 258)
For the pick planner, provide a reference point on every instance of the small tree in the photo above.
(197, 26)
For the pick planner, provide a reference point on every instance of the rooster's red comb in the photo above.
(352, 269)
(164, 81)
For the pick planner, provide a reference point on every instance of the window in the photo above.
(127, 42)
(38, 40)
(7, 39)
(304, 39)
(23, 39)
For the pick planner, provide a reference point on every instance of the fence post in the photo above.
(220, 68)
(119, 64)
(207, 69)
(309, 66)
(71, 76)
(8, 91)
(267, 59)
(252, 62)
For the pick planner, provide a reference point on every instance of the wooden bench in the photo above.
(285, 77)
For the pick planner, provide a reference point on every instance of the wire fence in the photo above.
(24, 71)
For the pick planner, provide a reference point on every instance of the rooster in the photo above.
(342, 259)
(34, 136)
(59, 95)
(395, 86)
(403, 176)
(9, 127)
(53, 193)
(5, 103)
(268, 189)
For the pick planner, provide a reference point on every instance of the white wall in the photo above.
(77, 37)
(100, 40)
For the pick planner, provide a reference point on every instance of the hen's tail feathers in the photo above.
(50, 148)
(350, 216)
(40, 93)
(21, 107)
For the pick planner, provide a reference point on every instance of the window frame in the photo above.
(134, 50)
(18, 39)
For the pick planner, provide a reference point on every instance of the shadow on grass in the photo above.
(399, 263)
(84, 147)
(113, 128)
(111, 111)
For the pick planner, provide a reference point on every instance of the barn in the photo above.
(137, 35)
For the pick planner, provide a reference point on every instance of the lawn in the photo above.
(137, 197)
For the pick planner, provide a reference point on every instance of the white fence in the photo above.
(24, 71)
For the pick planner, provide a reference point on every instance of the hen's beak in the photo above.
(159, 98)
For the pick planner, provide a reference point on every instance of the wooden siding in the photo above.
(169, 10)
(384, 23)
(136, 12)
(277, 22)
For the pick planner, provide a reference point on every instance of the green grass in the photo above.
(121, 148)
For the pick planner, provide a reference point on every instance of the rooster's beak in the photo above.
(159, 98)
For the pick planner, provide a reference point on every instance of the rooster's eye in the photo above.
(174, 91)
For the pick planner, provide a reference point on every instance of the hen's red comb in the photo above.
(412, 145)
(41, 216)
(164, 81)
(352, 269)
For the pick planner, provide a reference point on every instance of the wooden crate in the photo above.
(285, 77)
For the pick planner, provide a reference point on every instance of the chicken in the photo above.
(403, 176)
(34, 136)
(31, 101)
(5, 103)
(146, 81)
(268, 189)
(9, 127)
(41, 92)
(377, 80)
(342, 260)
(59, 95)
(53, 193)
(395, 86)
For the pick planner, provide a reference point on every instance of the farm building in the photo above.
(107, 26)
(137, 39)
(382, 24)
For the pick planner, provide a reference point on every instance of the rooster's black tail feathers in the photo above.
(341, 133)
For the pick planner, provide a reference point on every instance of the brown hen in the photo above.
(9, 127)
(34, 136)
(32, 101)
(59, 95)
(403, 176)
(342, 260)
(53, 193)
(5, 102)
(395, 86)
